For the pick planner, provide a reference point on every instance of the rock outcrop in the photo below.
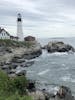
(34, 51)
(59, 47)
(64, 93)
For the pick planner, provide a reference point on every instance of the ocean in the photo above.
(53, 70)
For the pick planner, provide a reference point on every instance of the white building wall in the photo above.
(19, 31)
(4, 35)
(19, 28)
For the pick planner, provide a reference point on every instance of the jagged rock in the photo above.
(27, 64)
(20, 72)
(11, 72)
(37, 95)
(8, 50)
(33, 53)
(17, 60)
(64, 93)
(2, 63)
(4, 49)
(7, 63)
(31, 86)
(59, 47)
(5, 67)
(13, 66)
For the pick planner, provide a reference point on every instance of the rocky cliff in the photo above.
(58, 46)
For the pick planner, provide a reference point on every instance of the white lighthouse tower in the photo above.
(19, 27)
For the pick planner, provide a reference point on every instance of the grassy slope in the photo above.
(11, 43)
(13, 89)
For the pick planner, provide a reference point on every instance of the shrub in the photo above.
(13, 89)
(20, 84)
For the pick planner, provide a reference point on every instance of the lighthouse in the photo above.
(19, 27)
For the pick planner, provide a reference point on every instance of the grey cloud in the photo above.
(69, 3)
(50, 12)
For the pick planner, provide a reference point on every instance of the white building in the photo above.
(19, 28)
(4, 34)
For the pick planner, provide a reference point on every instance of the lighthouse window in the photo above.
(19, 19)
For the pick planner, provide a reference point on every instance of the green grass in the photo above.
(12, 43)
(13, 89)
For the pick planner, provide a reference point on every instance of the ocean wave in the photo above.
(63, 65)
(53, 62)
(59, 54)
(51, 88)
(44, 72)
(66, 78)
(30, 71)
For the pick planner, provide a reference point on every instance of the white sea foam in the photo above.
(66, 78)
(43, 72)
(60, 54)
(63, 65)
(53, 62)
(30, 71)
(64, 68)
(19, 68)
(73, 80)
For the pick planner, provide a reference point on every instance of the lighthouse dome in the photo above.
(19, 15)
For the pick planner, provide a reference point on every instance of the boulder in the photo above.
(59, 47)
(5, 67)
(2, 63)
(17, 60)
(11, 72)
(20, 72)
(8, 50)
(31, 86)
(64, 93)
(37, 95)
(33, 52)
(27, 64)
(13, 66)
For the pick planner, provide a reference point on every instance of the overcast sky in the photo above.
(41, 18)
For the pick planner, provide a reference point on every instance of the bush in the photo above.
(13, 89)
(18, 97)
(20, 84)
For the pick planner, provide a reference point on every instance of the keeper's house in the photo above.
(5, 35)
